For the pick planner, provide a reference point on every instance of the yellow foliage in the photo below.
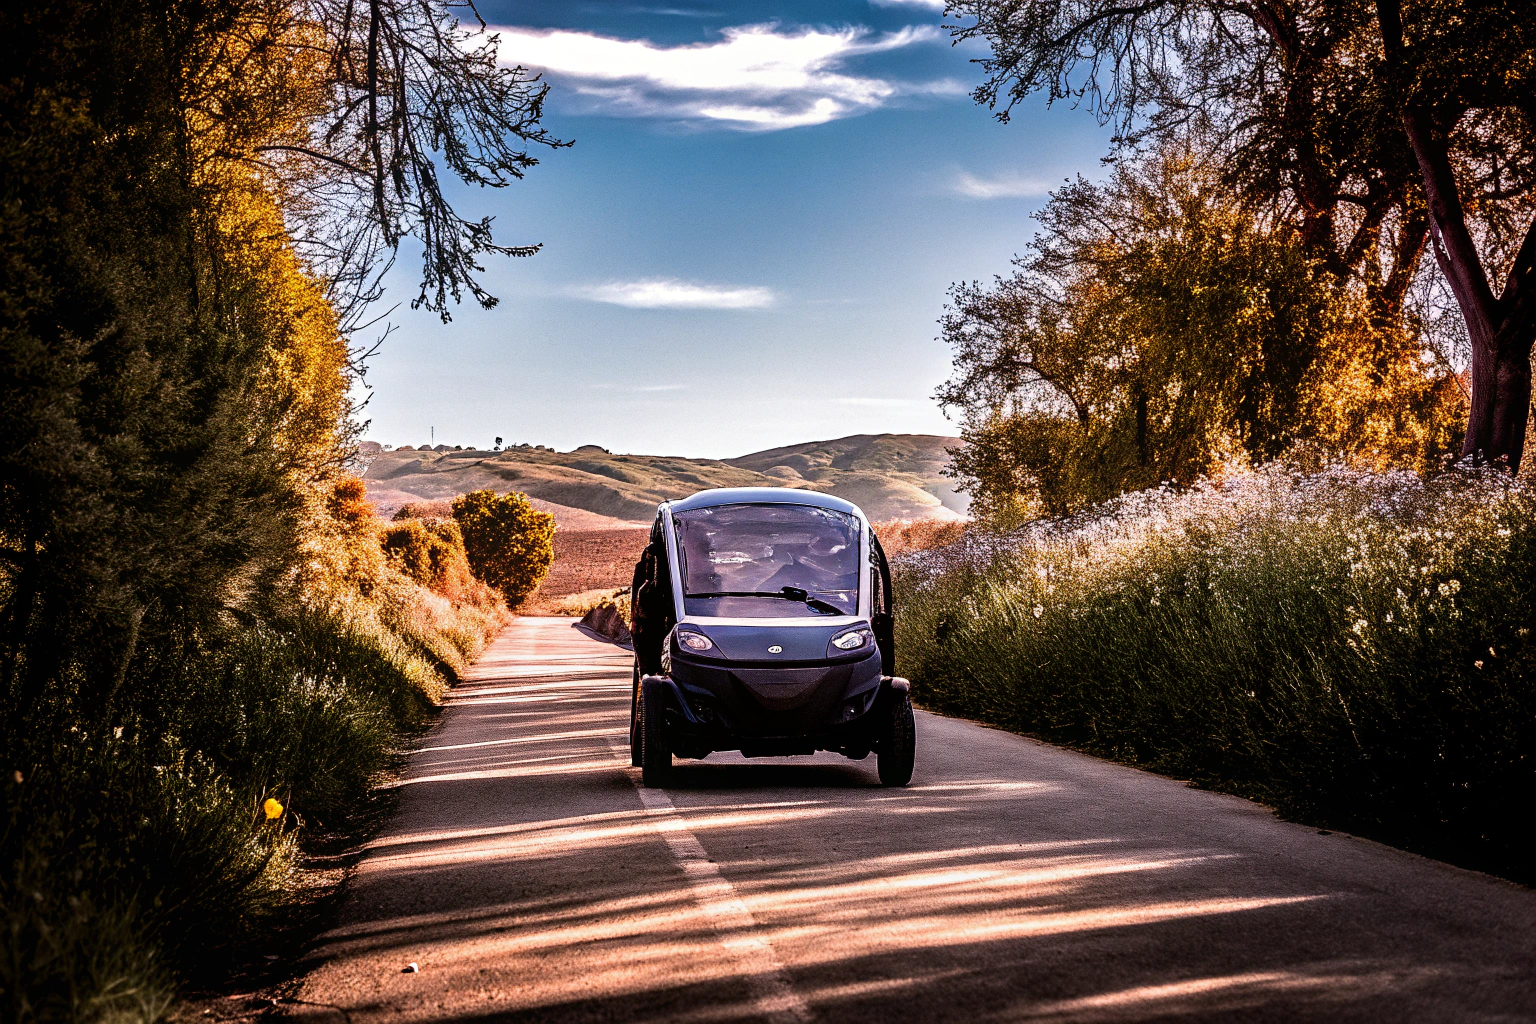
(1163, 333)
(510, 544)
(1370, 399)
(431, 552)
(340, 543)
(899, 536)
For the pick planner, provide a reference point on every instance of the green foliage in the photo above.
(137, 856)
(510, 544)
(1353, 649)
(195, 612)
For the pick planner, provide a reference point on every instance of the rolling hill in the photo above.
(890, 476)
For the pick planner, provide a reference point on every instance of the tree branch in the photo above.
(312, 153)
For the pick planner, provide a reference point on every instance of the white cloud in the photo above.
(1003, 186)
(665, 293)
(754, 78)
(932, 5)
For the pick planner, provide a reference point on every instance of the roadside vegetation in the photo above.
(1352, 648)
(1246, 421)
(210, 647)
(509, 543)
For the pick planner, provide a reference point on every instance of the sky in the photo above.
(750, 242)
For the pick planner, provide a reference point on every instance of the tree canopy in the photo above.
(510, 544)
(1377, 130)
(1158, 333)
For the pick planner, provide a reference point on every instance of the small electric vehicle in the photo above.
(762, 622)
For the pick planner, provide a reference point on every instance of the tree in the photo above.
(195, 200)
(175, 226)
(510, 544)
(1158, 332)
(395, 87)
(1365, 126)
(1464, 79)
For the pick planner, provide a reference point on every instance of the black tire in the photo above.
(655, 750)
(898, 745)
(634, 717)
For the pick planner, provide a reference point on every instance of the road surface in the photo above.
(530, 879)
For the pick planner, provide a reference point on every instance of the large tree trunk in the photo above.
(1501, 395)
(1501, 329)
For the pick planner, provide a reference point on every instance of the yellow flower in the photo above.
(273, 808)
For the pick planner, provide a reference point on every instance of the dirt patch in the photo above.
(589, 560)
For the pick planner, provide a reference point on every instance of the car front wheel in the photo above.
(634, 717)
(898, 745)
(655, 750)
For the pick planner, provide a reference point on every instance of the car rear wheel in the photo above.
(655, 750)
(898, 746)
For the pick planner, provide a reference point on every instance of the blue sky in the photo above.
(749, 243)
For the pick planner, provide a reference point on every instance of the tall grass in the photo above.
(1352, 648)
(142, 856)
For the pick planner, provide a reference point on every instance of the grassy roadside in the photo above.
(186, 845)
(1351, 649)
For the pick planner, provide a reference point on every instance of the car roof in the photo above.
(763, 496)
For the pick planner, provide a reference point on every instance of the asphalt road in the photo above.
(529, 878)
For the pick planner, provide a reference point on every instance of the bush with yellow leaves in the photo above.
(510, 544)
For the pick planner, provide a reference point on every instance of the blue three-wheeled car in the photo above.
(762, 622)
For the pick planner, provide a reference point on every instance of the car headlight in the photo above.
(853, 639)
(694, 641)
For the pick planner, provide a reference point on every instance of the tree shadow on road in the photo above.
(774, 775)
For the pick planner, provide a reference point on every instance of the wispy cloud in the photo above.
(755, 77)
(1002, 186)
(674, 12)
(638, 389)
(666, 293)
(932, 5)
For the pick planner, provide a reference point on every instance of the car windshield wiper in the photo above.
(785, 594)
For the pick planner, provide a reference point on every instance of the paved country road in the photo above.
(530, 879)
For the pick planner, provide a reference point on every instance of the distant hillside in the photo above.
(890, 476)
(901, 474)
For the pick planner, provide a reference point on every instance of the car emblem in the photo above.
(775, 649)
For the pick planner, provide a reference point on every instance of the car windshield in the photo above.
(768, 561)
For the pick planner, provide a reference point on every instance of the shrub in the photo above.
(900, 536)
(340, 543)
(139, 855)
(509, 542)
(429, 552)
(581, 603)
(1352, 648)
